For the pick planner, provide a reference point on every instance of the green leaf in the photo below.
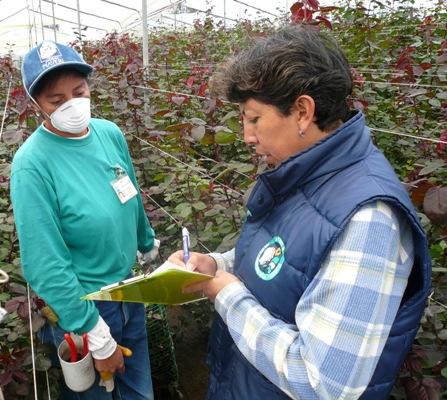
(439, 269)
(434, 102)
(234, 124)
(197, 121)
(199, 205)
(230, 115)
(198, 132)
(431, 166)
(224, 138)
(7, 228)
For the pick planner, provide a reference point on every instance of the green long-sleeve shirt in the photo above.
(75, 236)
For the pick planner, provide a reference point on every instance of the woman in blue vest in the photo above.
(323, 294)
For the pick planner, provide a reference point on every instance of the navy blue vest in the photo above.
(307, 201)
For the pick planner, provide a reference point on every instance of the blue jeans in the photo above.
(127, 322)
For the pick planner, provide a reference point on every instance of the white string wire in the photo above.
(48, 384)
(397, 73)
(4, 111)
(186, 164)
(171, 216)
(408, 135)
(217, 162)
(33, 356)
(402, 84)
(182, 94)
(161, 207)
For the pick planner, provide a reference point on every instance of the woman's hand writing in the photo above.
(197, 262)
(212, 287)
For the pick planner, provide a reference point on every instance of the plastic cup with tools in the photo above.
(76, 362)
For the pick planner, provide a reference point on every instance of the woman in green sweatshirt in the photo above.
(80, 219)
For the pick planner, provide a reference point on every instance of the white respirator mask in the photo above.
(73, 116)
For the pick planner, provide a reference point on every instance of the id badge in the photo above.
(124, 188)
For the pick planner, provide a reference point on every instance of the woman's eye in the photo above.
(254, 120)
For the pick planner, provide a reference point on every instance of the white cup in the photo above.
(79, 376)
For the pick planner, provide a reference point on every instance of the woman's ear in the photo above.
(304, 110)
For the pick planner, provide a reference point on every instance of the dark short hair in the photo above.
(294, 61)
(51, 78)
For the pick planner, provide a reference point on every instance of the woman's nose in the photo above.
(249, 135)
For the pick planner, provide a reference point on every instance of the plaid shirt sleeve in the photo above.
(343, 318)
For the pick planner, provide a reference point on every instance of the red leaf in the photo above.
(427, 20)
(440, 147)
(161, 113)
(418, 194)
(328, 9)
(312, 4)
(435, 205)
(5, 378)
(202, 89)
(21, 376)
(295, 7)
(325, 21)
(13, 304)
(303, 14)
(190, 81)
(425, 66)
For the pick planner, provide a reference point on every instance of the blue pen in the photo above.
(185, 238)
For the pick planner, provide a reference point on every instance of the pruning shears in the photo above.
(107, 376)
(73, 349)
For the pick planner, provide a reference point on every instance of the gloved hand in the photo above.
(145, 258)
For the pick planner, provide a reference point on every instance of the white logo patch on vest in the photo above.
(49, 54)
(270, 259)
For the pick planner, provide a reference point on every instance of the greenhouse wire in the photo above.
(202, 156)
(15, 13)
(408, 135)
(65, 20)
(402, 84)
(33, 356)
(4, 111)
(81, 12)
(355, 81)
(377, 129)
(170, 216)
(48, 384)
(120, 5)
(182, 94)
(256, 8)
(186, 164)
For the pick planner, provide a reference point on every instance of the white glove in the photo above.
(145, 258)
(100, 342)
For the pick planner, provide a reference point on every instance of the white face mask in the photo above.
(73, 116)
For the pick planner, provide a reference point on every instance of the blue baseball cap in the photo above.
(46, 57)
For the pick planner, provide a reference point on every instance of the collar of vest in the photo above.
(347, 145)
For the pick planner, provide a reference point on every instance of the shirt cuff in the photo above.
(100, 342)
(228, 296)
(224, 261)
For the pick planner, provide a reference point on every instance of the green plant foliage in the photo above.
(195, 170)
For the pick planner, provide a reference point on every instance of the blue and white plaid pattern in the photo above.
(342, 319)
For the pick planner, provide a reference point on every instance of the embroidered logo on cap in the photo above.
(270, 259)
(49, 54)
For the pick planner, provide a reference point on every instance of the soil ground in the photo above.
(190, 341)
